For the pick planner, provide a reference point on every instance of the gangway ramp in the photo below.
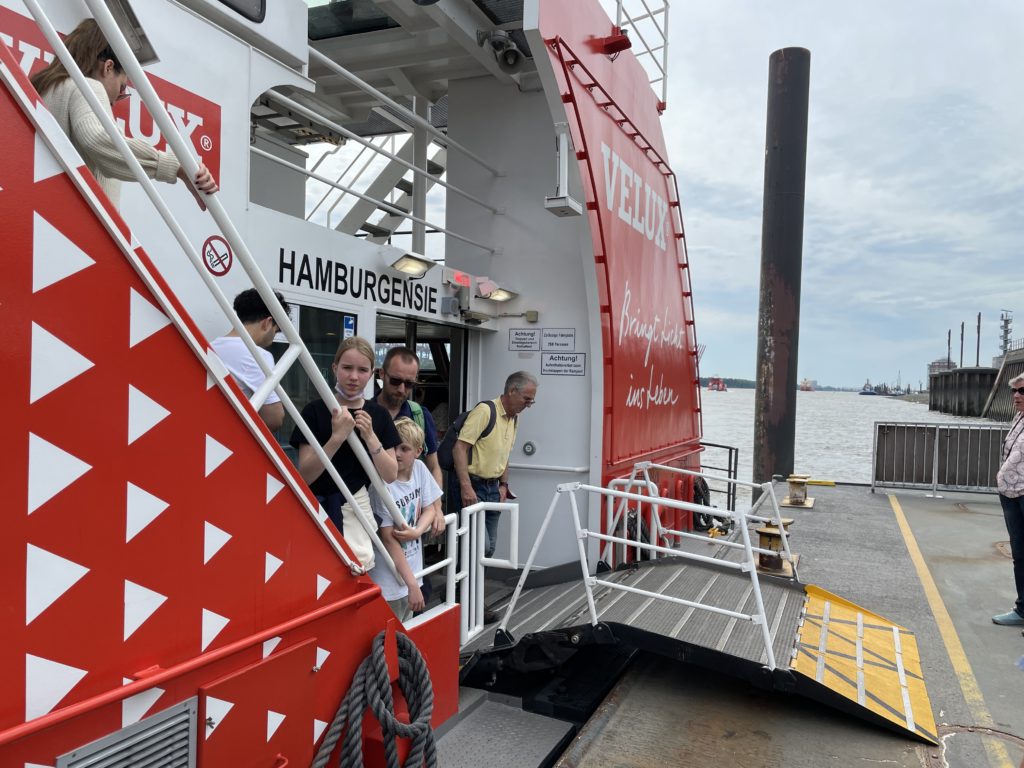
(712, 612)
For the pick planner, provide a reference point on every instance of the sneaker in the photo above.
(490, 617)
(1009, 619)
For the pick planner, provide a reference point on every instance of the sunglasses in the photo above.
(394, 381)
(1017, 390)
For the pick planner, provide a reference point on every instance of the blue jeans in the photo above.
(1013, 514)
(486, 490)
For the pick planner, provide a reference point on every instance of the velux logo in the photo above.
(639, 204)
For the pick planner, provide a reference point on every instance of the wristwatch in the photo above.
(379, 449)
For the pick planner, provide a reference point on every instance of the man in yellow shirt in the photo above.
(481, 462)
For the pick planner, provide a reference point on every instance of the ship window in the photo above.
(254, 10)
(336, 18)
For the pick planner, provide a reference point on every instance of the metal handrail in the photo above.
(449, 564)
(908, 469)
(313, 115)
(341, 175)
(471, 554)
(731, 470)
(767, 492)
(405, 113)
(662, 29)
(184, 154)
(759, 617)
(614, 514)
(353, 180)
(379, 203)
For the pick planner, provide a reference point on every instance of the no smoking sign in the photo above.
(217, 255)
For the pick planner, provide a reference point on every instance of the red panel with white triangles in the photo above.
(143, 525)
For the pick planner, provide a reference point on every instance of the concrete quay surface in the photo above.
(932, 565)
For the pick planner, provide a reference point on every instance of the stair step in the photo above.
(401, 208)
(375, 231)
(434, 169)
(405, 185)
(501, 736)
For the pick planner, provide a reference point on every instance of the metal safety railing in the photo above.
(653, 16)
(296, 351)
(464, 564)
(731, 470)
(633, 521)
(936, 457)
(741, 520)
(449, 564)
(472, 552)
(405, 114)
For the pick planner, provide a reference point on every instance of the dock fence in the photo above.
(948, 457)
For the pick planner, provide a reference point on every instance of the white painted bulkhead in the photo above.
(549, 261)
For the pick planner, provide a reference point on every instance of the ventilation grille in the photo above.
(165, 740)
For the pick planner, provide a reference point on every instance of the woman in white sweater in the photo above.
(109, 82)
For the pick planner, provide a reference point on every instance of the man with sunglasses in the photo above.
(253, 312)
(1010, 482)
(398, 377)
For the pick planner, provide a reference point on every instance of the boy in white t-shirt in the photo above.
(417, 496)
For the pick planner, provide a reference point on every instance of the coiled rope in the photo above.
(371, 687)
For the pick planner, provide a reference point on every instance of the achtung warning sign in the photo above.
(563, 363)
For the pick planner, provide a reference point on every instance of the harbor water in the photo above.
(834, 430)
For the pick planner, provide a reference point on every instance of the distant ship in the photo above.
(717, 384)
(806, 385)
(867, 389)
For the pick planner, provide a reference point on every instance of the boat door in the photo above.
(441, 350)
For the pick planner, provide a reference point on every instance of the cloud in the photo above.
(914, 176)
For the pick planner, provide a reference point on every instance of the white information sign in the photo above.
(524, 339)
(558, 340)
(563, 364)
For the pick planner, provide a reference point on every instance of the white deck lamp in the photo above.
(413, 264)
(488, 289)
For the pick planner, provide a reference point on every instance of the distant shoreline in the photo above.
(919, 397)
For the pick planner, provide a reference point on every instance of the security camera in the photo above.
(506, 52)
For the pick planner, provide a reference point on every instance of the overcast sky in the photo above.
(915, 175)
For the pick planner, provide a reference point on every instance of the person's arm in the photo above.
(309, 465)
(416, 602)
(460, 457)
(430, 446)
(437, 524)
(91, 138)
(434, 466)
(383, 459)
(272, 415)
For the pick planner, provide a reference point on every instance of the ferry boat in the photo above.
(806, 385)
(172, 585)
(717, 384)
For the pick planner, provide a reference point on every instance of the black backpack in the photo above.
(445, 456)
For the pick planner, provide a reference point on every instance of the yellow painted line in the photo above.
(996, 750)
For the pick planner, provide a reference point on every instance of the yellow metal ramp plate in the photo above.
(865, 659)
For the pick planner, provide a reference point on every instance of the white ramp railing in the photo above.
(740, 518)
